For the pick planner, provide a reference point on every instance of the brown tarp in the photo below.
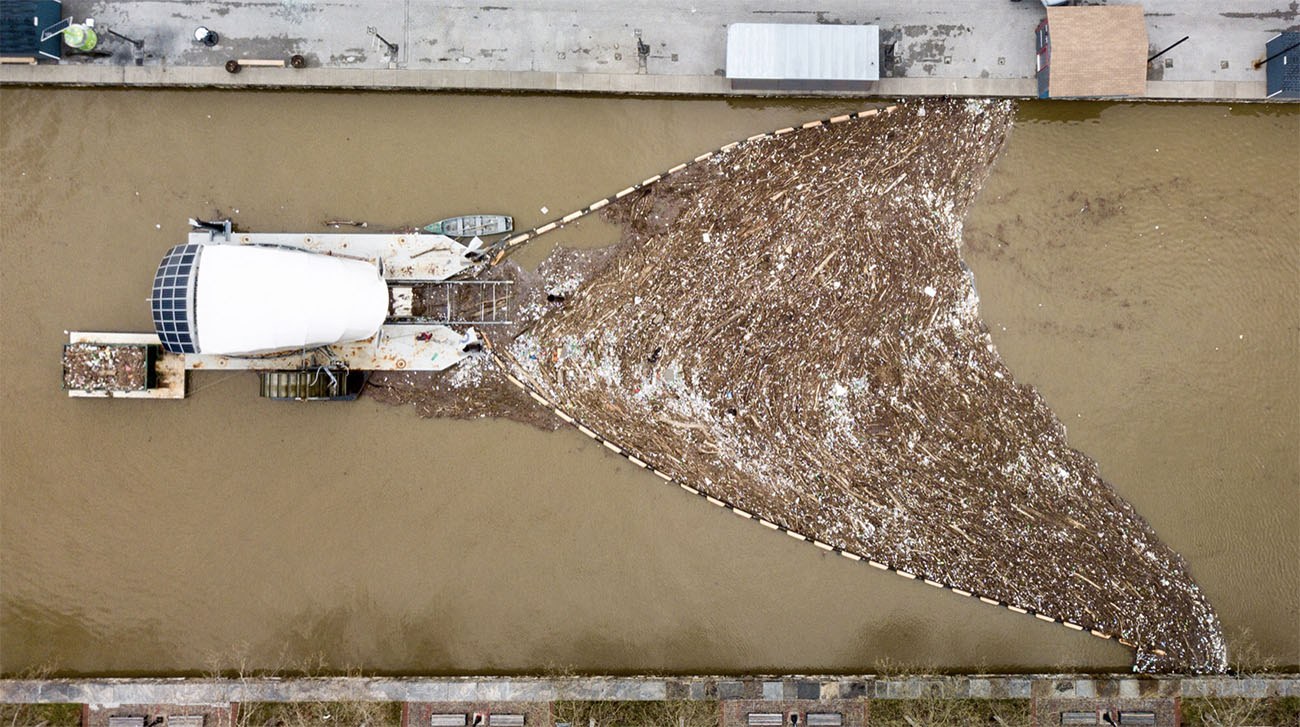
(1097, 51)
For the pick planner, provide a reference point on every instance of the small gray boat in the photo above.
(472, 226)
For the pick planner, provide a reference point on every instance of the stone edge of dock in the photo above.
(206, 690)
(330, 78)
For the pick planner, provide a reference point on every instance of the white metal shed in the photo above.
(772, 55)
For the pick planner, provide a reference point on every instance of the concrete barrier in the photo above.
(206, 690)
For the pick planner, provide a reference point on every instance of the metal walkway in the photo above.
(450, 302)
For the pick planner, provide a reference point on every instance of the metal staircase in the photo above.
(318, 384)
(452, 302)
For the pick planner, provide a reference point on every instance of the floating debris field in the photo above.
(787, 329)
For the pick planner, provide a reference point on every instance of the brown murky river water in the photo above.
(1139, 264)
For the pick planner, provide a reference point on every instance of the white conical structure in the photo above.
(244, 299)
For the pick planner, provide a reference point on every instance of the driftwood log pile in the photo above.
(789, 327)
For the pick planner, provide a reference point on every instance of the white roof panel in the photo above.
(257, 299)
(771, 51)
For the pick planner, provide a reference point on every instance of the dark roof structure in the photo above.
(1283, 73)
(23, 22)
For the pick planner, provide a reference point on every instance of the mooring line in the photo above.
(516, 240)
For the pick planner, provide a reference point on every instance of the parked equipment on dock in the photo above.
(472, 226)
(121, 365)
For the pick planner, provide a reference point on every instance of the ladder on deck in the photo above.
(453, 302)
(304, 384)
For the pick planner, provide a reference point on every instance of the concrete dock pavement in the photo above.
(966, 47)
(846, 700)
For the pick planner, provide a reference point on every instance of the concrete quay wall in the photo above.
(546, 82)
(497, 81)
(653, 47)
(89, 75)
(206, 691)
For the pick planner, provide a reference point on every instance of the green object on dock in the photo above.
(80, 37)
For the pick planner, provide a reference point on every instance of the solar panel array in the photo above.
(172, 301)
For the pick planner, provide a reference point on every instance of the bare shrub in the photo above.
(676, 713)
